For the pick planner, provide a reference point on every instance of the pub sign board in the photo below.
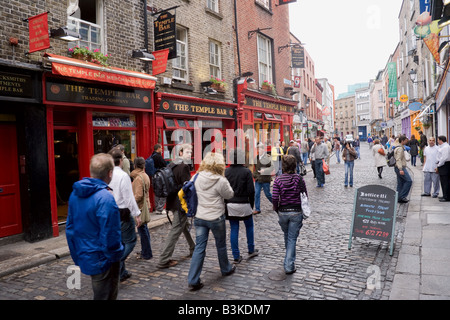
(374, 214)
(62, 90)
(196, 109)
(165, 36)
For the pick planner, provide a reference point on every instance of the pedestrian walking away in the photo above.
(304, 151)
(277, 153)
(379, 156)
(357, 145)
(294, 151)
(349, 155)
(263, 176)
(141, 187)
(443, 167)
(404, 181)
(158, 163)
(414, 151)
(320, 152)
(93, 228)
(430, 175)
(129, 210)
(212, 188)
(239, 208)
(337, 150)
(422, 144)
(181, 173)
(287, 204)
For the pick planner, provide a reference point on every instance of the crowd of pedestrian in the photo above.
(106, 209)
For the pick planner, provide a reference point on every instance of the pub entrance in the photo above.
(66, 168)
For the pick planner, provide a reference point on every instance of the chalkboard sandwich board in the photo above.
(374, 214)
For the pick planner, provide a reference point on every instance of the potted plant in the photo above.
(418, 128)
(427, 125)
(83, 53)
(268, 87)
(218, 84)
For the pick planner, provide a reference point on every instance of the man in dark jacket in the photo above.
(159, 163)
(294, 151)
(181, 173)
(93, 228)
(239, 208)
(263, 176)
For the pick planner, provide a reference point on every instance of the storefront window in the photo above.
(113, 129)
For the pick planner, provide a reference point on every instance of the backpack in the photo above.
(391, 159)
(188, 197)
(150, 169)
(164, 182)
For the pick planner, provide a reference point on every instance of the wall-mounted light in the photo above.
(65, 34)
(143, 55)
(207, 87)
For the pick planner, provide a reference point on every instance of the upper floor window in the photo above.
(264, 59)
(87, 20)
(213, 5)
(180, 69)
(214, 59)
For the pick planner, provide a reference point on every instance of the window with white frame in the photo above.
(87, 20)
(264, 59)
(214, 59)
(180, 65)
(213, 5)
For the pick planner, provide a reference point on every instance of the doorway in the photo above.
(10, 212)
(66, 168)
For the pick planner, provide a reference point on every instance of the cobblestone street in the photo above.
(326, 268)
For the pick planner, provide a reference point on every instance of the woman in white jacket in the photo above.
(212, 188)
(380, 156)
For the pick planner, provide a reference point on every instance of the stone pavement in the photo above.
(326, 269)
(422, 271)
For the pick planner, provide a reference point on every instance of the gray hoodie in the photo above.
(211, 190)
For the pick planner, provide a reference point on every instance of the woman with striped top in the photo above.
(287, 204)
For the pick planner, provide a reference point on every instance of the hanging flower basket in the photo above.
(268, 87)
(218, 84)
(83, 53)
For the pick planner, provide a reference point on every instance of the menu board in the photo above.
(374, 214)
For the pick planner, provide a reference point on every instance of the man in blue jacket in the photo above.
(93, 228)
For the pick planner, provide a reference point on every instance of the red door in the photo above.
(10, 215)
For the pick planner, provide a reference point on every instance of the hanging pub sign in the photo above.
(286, 2)
(165, 34)
(159, 65)
(298, 57)
(374, 214)
(38, 32)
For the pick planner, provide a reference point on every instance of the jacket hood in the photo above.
(206, 180)
(88, 186)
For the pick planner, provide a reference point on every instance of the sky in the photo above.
(348, 40)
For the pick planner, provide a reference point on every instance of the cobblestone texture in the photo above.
(326, 269)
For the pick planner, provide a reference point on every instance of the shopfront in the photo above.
(202, 123)
(266, 120)
(24, 189)
(86, 117)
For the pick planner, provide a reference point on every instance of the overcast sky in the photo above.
(348, 40)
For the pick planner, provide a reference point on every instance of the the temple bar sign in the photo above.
(269, 105)
(197, 109)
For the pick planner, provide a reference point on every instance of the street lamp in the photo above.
(413, 77)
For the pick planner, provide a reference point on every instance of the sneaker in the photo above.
(171, 263)
(291, 272)
(233, 269)
(425, 195)
(253, 254)
(256, 212)
(196, 287)
(238, 260)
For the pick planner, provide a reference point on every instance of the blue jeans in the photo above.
(234, 236)
(413, 160)
(129, 241)
(202, 228)
(320, 175)
(290, 223)
(404, 183)
(357, 151)
(146, 249)
(338, 158)
(266, 187)
(349, 171)
(305, 158)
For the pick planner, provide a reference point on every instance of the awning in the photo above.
(422, 113)
(75, 68)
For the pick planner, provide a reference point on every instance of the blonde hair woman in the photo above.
(212, 188)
